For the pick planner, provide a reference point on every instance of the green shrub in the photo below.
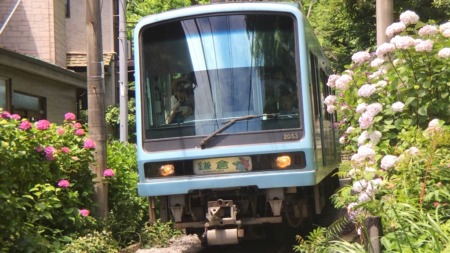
(95, 242)
(45, 180)
(158, 234)
(127, 211)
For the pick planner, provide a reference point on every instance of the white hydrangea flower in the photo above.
(366, 90)
(444, 27)
(331, 109)
(381, 84)
(360, 185)
(444, 53)
(388, 161)
(342, 140)
(403, 42)
(350, 130)
(409, 17)
(331, 80)
(375, 137)
(413, 151)
(366, 151)
(364, 196)
(384, 49)
(425, 46)
(395, 28)
(361, 108)
(434, 123)
(446, 33)
(428, 30)
(365, 120)
(398, 106)
(360, 57)
(330, 100)
(377, 62)
(374, 108)
(342, 82)
(363, 137)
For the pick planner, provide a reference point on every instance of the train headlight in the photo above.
(167, 170)
(283, 161)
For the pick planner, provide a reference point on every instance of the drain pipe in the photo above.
(10, 15)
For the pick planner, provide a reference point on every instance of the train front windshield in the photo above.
(201, 73)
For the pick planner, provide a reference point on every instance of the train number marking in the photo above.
(290, 136)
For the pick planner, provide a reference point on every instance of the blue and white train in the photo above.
(232, 133)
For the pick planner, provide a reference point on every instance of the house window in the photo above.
(4, 93)
(29, 106)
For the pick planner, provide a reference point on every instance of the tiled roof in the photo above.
(80, 59)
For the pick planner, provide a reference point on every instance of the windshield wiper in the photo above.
(231, 122)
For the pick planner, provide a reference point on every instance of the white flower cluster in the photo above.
(366, 90)
(361, 57)
(398, 106)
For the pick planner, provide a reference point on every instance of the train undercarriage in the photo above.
(228, 216)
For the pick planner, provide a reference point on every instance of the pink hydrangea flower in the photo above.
(15, 117)
(89, 144)
(63, 183)
(65, 150)
(70, 117)
(84, 212)
(60, 131)
(42, 124)
(79, 132)
(409, 17)
(39, 149)
(50, 153)
(108, 173)
(24, 125)
(77, 125)
(5, 115)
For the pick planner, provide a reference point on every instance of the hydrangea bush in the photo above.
(45, 182)
(394, 110)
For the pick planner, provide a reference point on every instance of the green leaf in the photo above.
(423, 110)
(409, 100)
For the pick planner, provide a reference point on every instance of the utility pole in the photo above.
(96, 102)
(384, 14)
(123, 72)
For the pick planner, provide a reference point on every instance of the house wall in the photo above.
(60, 98)
(34, 30)
(76, 27)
